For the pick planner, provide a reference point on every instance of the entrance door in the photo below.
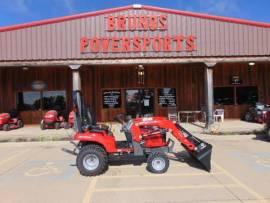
(140, 102)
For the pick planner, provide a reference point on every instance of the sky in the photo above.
(21, 11)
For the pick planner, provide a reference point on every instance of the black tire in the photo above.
(158, 162)
(42, 125)
(57, 126)
(20, 123)
(66, 125)
(6, 127)
(268, 134)
(92, 152)
(248, 117)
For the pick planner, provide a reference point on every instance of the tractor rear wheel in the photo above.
(158, 162)
(20, 123)
(6, 127)
(92, 160)
(268, 134)
(66, 125)
(42, 125)
(249, 117)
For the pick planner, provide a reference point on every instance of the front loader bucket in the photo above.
(203, 152)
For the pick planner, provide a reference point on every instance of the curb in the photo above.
(40, 139)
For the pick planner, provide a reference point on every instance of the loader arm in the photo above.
(198, 148)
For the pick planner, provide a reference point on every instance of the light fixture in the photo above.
(140, 74)
(25, 68)
(251, 63)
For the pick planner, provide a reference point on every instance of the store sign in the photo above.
(111, 98)
(38, 85)
(235, 80)
(143, 23)
(167, 97)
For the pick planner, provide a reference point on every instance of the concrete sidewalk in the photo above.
(228, 127)
(34, 133)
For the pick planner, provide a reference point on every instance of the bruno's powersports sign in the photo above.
(149, 24)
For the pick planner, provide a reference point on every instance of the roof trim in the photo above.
(243, 59)
(153, 8)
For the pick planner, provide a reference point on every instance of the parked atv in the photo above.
(53, 120)
(10, 120)
(257, 113)
(267, 127)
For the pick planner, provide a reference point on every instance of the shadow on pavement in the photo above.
(184, 157)
(261, 137)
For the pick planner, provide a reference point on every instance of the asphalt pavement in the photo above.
(43, 172)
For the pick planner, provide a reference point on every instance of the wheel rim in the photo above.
(158, 164)
(90, 162)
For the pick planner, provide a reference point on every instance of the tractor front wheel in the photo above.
(57, 125)
(158, 162)
(6, 127)
(92, 160)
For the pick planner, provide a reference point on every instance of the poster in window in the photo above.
(111, 98)
(167, 97)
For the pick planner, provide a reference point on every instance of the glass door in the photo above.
(140, 102)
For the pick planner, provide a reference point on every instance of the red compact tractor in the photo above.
(52, 120)
(10, 121)
(146, 139)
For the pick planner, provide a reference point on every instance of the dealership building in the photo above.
(138, 60)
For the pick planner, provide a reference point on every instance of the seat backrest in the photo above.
(219, 112)
(83, 115)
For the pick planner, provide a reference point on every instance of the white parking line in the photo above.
(13, 156)
(159, 175)
(90, 190)
(259, 198)
(165, 188)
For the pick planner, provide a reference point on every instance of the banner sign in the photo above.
(167, 97)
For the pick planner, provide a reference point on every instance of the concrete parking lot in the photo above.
(42, 172)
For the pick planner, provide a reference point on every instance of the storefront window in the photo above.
(140, 102)
(36, 100)
(28, 101)
(224, 95)
(247, 95)
(54, 100)
(238, 95)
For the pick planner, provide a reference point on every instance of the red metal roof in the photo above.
(107, 11)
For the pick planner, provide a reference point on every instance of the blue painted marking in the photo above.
(67, 169)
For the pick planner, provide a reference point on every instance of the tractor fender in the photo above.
(100, 138)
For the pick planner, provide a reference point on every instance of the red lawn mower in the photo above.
(146, 138)
(10, 120)
(53, 120)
